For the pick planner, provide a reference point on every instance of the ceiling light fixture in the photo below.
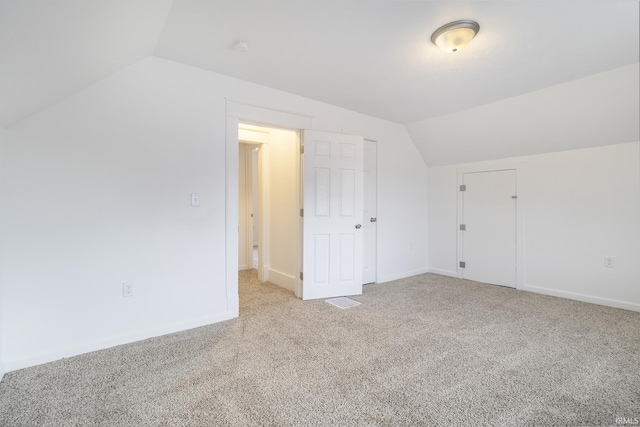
(454, 36)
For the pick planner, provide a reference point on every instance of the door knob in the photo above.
(373, 219)
(358, 226)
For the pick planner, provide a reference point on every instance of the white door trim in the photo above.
(375, 241)
(519, 167)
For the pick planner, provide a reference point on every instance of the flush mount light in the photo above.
(240, 46)
(454, 36)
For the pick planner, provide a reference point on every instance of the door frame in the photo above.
(240, 112)
(375, 242)
(519, 168)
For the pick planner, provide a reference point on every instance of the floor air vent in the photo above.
(343, 302)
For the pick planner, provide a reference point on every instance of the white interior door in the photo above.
(333, 207)
(489, 219)
(370, 216)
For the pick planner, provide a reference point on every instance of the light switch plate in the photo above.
(195, 199)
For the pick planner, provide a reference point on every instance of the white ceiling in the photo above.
(370, 56)
(50, 49)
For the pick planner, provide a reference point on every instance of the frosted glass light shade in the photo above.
(455, 35)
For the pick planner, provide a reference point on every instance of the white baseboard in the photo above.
(76, 350)
(1, 371)
(243, 267)
(582, 297)
(443, 272)
(406, 274)
(284, 280)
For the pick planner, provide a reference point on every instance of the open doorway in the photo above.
(269, 204)
(248, 206)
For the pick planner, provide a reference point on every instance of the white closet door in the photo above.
(489, 218)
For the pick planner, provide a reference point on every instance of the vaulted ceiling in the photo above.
(370, 56)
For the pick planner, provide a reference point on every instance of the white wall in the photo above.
(579, 206)
(2, 183)
(443, 220)
(245, 199)
(255, 205)
(284, 216)
(602, 109)
(242, 208)
(97, 192)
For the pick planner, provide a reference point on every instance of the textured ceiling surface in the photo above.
(370, 56)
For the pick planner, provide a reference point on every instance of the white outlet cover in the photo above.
(609, 262)
(127, 290)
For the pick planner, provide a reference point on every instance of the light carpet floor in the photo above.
(423, 351)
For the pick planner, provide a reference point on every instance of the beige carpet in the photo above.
(427, 350)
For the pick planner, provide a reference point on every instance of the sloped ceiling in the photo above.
(370, 56)
(50, 49)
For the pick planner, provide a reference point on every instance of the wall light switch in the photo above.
(609, 262)
(195, 199)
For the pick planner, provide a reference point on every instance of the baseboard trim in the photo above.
(284, 280)
(243, 267)
(581, 297)
(1, 371)
(76, 350)
(443, 272)
(404, 275)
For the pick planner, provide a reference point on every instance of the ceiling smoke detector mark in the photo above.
(240, 46)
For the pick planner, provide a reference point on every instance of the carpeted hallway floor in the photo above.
(427, 350)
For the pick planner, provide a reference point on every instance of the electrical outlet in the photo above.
(127, 290)
(609, 262)
(195, 199)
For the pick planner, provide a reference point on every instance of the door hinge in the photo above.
(301, 149)
(463, 264)
(302, 212)
(463, 227)
(301, 275)
(463, 188)
(514, 197)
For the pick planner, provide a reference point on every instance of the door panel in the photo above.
(369, 224)
(333, 193)
(489, 215)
